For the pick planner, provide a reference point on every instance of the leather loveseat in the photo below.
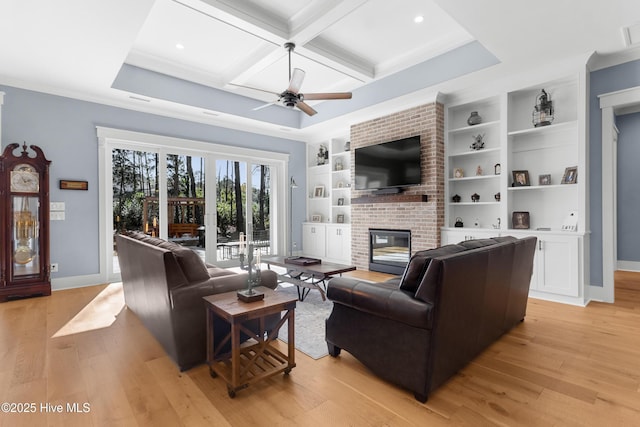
(164, 284)
(449, 305)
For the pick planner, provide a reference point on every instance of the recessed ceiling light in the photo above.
(418, 19)
(179, 46)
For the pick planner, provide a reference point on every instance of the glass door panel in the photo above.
(186, 205)
(135, 194)
(25, 236)
(231, 196)
(261, 207)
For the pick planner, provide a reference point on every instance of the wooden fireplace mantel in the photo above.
(394, 198)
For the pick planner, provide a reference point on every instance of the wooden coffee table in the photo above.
(307, 277)
(257, 358)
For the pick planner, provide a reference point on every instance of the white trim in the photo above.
(578, 301)
(77, 281)
(609, 104)
(139, 138)
(620, 98)
(1, 102)
(608, 220)
(629, 265)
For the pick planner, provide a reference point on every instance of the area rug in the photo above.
(310, 315)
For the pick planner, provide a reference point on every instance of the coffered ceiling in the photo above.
(185, 58)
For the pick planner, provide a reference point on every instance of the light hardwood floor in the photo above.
(563, 366)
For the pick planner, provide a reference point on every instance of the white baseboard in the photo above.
(76, 282)
(629, 265)
(597, 293)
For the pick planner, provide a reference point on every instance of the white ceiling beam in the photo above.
(312, 21)
(301, 29)
(252, 20)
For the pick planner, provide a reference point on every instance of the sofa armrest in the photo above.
(381, 299)
(191, 295)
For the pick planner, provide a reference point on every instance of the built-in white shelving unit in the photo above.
(327, 232)
(513, 143)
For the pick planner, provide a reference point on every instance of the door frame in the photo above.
(610, 104)
(109, 138)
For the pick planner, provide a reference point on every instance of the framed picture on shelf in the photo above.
(341, 201)
(520, 220)
(340, 218)
(318, 191)
(544, 179)
(570, 175)
(521, 178)
(458, 173)
(316, 218)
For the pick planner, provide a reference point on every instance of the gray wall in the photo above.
(607, 80)
(628, 194)
(65, 129)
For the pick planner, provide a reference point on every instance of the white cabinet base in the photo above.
(330, 242)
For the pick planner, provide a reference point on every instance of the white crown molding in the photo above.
(601, 61)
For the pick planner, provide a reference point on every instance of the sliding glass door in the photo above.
(243, 197)
(201, 197)
(185, 203)
(134, 194)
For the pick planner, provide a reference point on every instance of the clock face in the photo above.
(25, 179)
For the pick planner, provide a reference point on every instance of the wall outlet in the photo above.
(57, 206)
(54, 267)
(56, 216)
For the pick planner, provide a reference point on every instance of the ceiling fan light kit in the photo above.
(292, 97)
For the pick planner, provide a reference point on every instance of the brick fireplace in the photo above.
(409, 210)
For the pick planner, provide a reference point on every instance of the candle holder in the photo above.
(253, 270)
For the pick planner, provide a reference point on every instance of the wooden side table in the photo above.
(255, 359)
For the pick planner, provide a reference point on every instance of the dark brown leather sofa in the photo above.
(164, 284)
(450, 304)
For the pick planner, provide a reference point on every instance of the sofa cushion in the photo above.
(478, 243)
(381, 299)
(419, 263)
(192, 265)
(218, 272)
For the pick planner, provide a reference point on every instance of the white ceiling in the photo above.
(78, 47)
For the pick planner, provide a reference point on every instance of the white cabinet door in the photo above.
(314, 240)
(556, 266)
(339, 243)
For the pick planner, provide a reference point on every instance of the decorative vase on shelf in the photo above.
(474, 119)
(347, 146)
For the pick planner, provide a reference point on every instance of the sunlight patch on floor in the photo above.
(100, 313)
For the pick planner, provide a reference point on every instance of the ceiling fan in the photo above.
(291, 97)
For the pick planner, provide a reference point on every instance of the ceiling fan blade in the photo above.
(254, 88)
(296, 80)
(305, 107)
(329, 95)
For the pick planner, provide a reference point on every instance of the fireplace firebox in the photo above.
(389, 250)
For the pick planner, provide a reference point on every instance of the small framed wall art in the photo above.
(520, 220)
(570, 175)
(521, 178)
(66, 184)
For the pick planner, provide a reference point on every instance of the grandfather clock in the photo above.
(24, 223)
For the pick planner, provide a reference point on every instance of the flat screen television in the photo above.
(387, 165)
